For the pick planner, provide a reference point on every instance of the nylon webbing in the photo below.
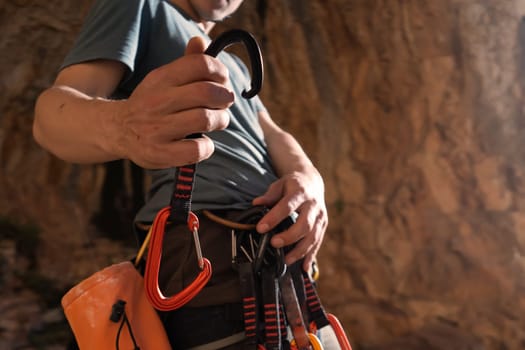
(298, 283)
(182, 191)
(315, 309)
(249, 303)
(270, 296)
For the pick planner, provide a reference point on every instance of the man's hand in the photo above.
(75, 120)
(189, 95)
(302, 193)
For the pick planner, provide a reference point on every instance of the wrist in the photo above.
(112, 114)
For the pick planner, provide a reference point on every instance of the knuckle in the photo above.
(289, 206)
(154, 76)
(205, 119)
(223, 119)
(148, 153)
(206, 63)
(215, 94)
(213, 67)
(210, 119)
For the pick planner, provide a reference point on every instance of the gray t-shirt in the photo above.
(146, 34)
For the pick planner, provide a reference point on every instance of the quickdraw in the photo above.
(179, 210)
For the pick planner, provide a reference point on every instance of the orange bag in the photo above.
(110, 310)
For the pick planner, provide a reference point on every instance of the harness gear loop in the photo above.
(155, 295)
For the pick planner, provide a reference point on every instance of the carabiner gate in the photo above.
(193, 225)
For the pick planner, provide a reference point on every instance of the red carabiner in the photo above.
(151, 273)
(339, 332)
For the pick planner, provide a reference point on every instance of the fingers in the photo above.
(306, 247)
(187, 96)
(308, 232)
(285, 206)
(306, 222)
(198, 94)
(174, 154)
(188, 69)
(272, 195)
(309, 259)
(177, 126)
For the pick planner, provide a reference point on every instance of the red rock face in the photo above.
(413, 113)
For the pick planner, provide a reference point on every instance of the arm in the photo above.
(75, 120)
(300, 188)
(70, 116)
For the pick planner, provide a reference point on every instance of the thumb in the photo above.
(196, 45)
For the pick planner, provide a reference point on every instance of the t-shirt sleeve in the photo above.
(110, 31)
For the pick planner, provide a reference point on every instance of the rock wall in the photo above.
(411, 110)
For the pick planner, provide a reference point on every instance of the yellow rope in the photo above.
(143, 248)
(228, 223)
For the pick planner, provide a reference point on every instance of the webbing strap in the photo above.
(293, 312)
(313, 302)
(249, 304)
(284, 327)
(300, 291)
(181, 199)
(270, 296)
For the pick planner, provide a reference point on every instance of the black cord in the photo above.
(118, 311)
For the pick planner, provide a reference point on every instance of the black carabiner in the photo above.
(237, 35)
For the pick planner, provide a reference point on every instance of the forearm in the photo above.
(72, 125)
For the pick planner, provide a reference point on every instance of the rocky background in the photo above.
(413, 112)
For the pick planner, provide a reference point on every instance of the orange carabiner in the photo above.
(151, 273)
(314, 342)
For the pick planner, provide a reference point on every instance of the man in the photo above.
(134, 85)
